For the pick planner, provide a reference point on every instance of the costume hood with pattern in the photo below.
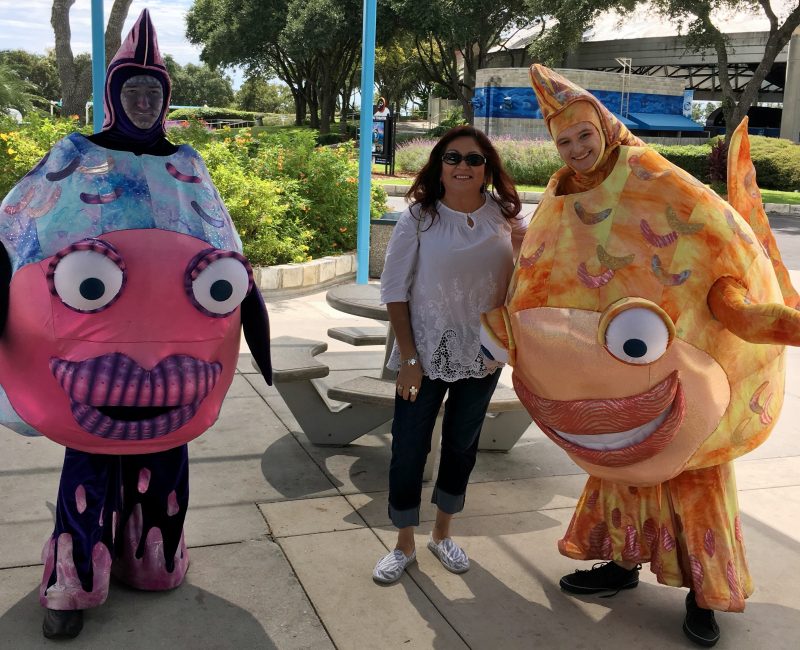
(123, 291)
(647, 317)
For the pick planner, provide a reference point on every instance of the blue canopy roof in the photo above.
(663, 122)
(629, 123)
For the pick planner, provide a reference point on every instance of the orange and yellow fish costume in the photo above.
(646, 322)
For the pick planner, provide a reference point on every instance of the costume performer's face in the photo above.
(142, 99)
(579, 146)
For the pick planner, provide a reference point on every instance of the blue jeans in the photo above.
(464, 411)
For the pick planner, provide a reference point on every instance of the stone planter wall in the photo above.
(284, 279)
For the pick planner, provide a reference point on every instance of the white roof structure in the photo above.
(644, 22)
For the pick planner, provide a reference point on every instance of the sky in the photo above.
(25, 25)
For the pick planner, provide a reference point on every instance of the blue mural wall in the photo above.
(501, 101)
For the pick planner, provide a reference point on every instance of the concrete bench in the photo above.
(506, 419)
(297, 376)
(359, 335)
(293, 359)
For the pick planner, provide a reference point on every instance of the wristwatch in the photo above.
(412, 361)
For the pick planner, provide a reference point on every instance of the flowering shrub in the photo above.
(23, 145)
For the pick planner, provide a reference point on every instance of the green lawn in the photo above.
(774, 196)
(768, 196)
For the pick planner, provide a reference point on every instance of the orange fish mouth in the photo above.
(611, 432)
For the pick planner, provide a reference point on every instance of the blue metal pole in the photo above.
(98, 63)
(365, 146)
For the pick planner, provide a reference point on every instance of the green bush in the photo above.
(693, 158)
(328, 183)
(528, 162)
(777, 163)
(23, 145)
(324, 139)
(266, 213)
(410, 156)
(453, 117)
(212, 113)
(192, 131)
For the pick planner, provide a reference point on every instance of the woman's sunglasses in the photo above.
(472, 159)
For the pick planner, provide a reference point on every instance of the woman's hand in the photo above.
(409, 380)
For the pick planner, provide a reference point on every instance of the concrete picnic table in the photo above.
(364, 300)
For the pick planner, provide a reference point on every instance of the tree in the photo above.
(452, 39)
(15, 92)
(74, 74)
(257, 94)
(313, 46)
(328, 32)
(247, 33)
(198, 85)
(37, 69)
(399, 75)
(695, 18)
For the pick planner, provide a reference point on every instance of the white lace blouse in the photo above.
(449, 273)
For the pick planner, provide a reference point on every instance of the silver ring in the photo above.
(399, 388)
(413, 390)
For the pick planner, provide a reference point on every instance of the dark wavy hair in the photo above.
(426, 189)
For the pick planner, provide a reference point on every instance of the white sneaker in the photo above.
(450, 554)
(390, 567)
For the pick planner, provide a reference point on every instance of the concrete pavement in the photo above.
(283, 537)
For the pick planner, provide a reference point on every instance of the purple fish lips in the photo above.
(113, 397)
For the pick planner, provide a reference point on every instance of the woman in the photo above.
(449, 259)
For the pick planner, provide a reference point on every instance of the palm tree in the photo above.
(15, 92)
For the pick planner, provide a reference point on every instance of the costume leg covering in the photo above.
(77, 557)
(687, 528)
(151, 553)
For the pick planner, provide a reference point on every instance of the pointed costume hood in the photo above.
(563, 104)
(138, 54)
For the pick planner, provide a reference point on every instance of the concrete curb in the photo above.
(534, 197)
(285, 280)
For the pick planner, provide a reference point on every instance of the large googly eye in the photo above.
(87, 276)
(637, 335)
(217, 281)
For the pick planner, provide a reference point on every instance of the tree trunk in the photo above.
(119, 12)
(76, 84)
(299, 106)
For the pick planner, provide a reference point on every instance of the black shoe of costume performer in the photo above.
(605, 576)
(62, 623)
(699, 624)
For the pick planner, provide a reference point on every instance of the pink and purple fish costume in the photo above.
(123, 291)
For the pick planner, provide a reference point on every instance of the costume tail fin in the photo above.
(745, 197)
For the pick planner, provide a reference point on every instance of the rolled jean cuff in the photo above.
(404, 518)
(447, 503)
